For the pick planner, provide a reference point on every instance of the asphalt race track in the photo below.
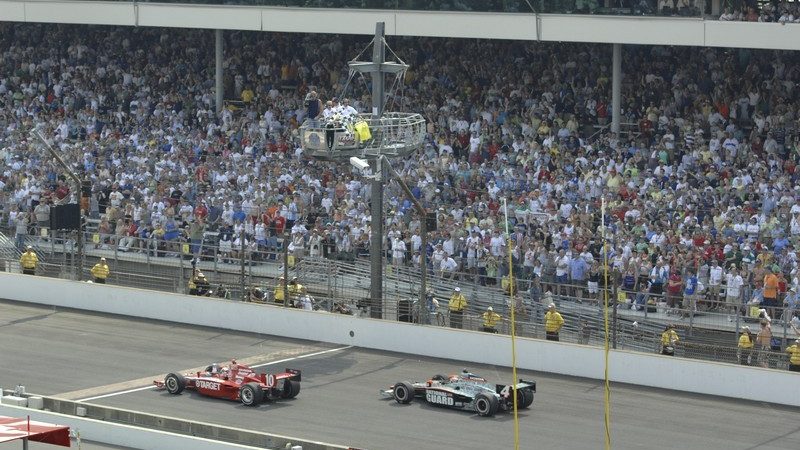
(82, 355)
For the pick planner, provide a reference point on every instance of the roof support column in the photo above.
(616, 88)
(218, 56)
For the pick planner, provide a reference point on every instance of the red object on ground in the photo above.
(12, 429)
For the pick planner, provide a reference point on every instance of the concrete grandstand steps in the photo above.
(9, 251)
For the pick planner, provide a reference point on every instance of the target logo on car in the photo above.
(207, 385)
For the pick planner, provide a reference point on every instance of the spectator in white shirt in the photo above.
(715, 275)
(448, 267)
(733, 291)
(398, 251)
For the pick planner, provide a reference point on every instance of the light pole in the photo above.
(360, 164)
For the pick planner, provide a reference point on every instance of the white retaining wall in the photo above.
(117, 434)
(568, 359)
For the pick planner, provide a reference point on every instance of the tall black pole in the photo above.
(616, 302)
(245, 295)
(376, 195)
(285, 268)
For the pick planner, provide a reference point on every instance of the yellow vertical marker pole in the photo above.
(512, 287)
(607, 385)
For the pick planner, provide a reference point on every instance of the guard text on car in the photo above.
(439, 398)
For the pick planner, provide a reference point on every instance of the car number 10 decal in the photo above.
(270, 380)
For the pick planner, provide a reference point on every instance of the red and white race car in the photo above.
(235, 382)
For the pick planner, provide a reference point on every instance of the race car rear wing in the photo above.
(523, 384)
(527, 383)
(292, 374)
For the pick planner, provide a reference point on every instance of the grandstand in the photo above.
(695, 150)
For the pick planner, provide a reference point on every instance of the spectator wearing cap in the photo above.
(438, 256)
(794, 356)
(552, 323)
(457, 305)
(277, 294)
(42, 213)
(490, 320)
(744, 352)
(100, 271)
(669, 338)
(29, 260)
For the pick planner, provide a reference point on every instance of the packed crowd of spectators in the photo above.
(701, 190)
(752, 11)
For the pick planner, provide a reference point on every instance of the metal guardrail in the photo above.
(394, 134)
(706, 335)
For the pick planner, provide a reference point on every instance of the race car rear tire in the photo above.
(486, 405)
(290, 389)
(527, 398)
(251, 394)
(174, 383)
(524, 398)
(403, 392)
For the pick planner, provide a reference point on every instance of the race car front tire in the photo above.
(403, 392)
(174, 383)
(251, 394)
(486, 405)
(290, 389)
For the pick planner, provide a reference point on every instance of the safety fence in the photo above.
(343, 287)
